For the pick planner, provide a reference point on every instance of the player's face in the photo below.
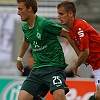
(23, 12)
(63, 16)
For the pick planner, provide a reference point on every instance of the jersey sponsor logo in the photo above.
(80, 32)
(37, 47)
(57, 81)
(35, 44)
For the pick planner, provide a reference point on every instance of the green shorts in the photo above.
(41, 80)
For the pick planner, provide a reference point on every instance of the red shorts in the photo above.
(94, 60)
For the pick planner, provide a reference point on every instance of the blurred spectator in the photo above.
(70, 57)
(29, 65)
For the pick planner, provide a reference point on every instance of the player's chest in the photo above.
(74, 35)
(77, 35)
(33, 35)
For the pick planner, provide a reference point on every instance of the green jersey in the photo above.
(46, 48)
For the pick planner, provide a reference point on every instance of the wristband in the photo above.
(19, 58)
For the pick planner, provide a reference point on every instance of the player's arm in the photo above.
(65, 33)
(81, 59)
(23, 49)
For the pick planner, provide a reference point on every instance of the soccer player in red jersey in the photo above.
(86, 38)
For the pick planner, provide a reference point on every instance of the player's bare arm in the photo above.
(82, 57)
(65, 33)
(23, 49)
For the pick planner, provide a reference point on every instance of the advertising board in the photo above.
(80, 89)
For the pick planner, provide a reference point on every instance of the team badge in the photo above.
(38, 35)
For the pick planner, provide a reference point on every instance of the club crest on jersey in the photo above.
(76, 40)
(38, 35)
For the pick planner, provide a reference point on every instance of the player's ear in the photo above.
(30, 8)
(70, 13)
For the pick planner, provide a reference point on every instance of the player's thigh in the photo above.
(42, 91)
(97, 94)
(97, 83)
(99, 88)
(59, 94)
(97, 78)
(24, 95)
(32, 84)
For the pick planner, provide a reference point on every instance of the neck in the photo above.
(71, 24)
(31, 21)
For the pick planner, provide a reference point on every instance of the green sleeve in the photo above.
(52, 27)
(24, 27)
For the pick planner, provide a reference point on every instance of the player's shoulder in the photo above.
(80, 21)
(45, 20)
(24, 25)
(40, 18)
(48, 22)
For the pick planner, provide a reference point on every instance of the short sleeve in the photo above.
(52, 27)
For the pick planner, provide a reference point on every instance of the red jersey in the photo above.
(85, 36)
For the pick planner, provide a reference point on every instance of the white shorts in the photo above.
(97, 77)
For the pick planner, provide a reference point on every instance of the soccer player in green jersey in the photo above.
(49, 61)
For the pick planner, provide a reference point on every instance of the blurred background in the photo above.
(11, 36)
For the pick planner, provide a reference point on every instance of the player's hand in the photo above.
(20, 66)
(86, 62)
(75, 71)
